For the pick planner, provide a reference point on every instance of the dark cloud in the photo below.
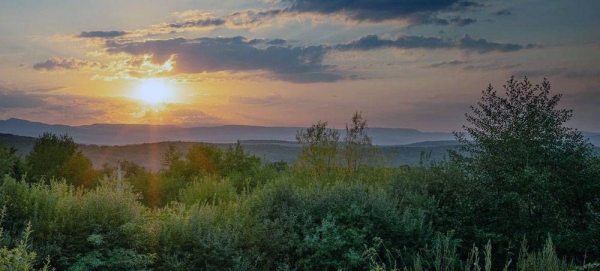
(504, 12)
(276, 42)
(414, 12)
(13, 99)
(295, 64)
(467, 44)
(372, 42)
(447, 64)
(102, 34)
(420, 19)
(198, 23)
(379, 10)
(57, 64)
(462, 21)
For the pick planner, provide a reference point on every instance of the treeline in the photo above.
(520, 193)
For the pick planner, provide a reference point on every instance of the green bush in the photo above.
(197, 237)
(208, 190)
(102, 228)
(316, 228)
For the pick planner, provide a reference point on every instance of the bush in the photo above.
(103, 228)
(197, 237)
(325, 229)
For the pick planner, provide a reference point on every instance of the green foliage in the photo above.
(59, 156)
(320, 149)
(357, 143)
(546, 259)
(325, 229)
(18, 258)
(100, 228)
(197, 237)
(204, 159)
(11, 163)
(526, 172)
(522, 174)
(141, 180)
(208, 190)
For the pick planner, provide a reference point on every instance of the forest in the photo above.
(521, 192)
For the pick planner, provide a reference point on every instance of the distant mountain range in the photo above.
(125, 134)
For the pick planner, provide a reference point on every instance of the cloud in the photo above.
(372, 42)
(467, 44)
(102, 34)
(413, 12)
(17, 99)
(236, 54)
(254, 100)
(462, 21)
(46, 89)
(380, 10)
(504, 12)
(447, 64)
(70, 63)
(494, 66)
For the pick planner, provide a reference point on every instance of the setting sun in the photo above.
(154, 91)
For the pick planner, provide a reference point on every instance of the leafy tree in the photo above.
(172, 159)
(237, 160)
(532, 175)
(60, 157)
(204, 159)
(11, 163)
(319, 149)
(357, 143)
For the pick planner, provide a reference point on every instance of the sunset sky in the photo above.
(403, 63)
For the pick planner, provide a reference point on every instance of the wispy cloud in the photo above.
(466, 43)
(69, 63)
(271, 99)
(446, 64)
(102, 34)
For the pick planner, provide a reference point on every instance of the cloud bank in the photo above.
(466, 44)
(236, 54)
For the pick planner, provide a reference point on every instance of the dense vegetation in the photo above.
(521, 193)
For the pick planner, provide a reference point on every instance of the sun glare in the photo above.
(154, 91)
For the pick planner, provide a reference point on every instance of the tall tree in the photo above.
(532, 174)
(320, 149)
(357, 143)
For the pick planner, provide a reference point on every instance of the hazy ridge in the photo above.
(124, 134)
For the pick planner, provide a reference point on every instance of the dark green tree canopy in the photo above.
(528, 173)
(60, 157)
(522, 128)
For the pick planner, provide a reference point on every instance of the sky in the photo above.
(402, 63)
